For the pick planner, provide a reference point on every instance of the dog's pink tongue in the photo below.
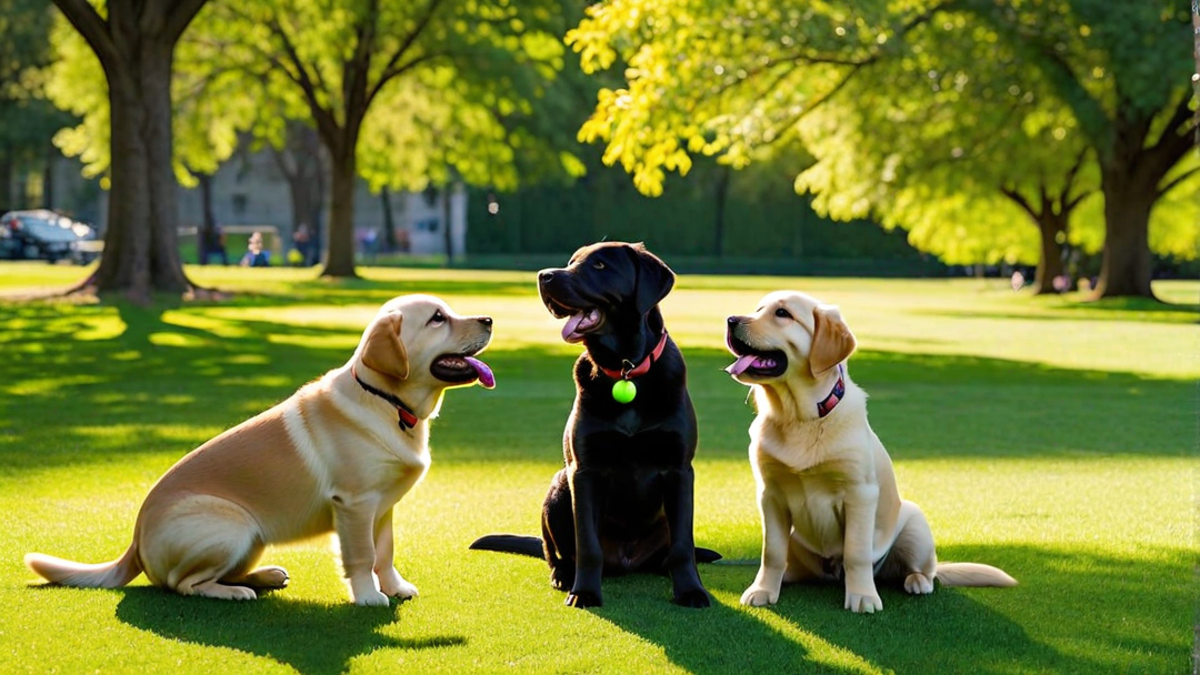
(568, 332)
(486, 378)
(578, 324)
(742, 364)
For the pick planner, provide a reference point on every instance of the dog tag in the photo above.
(624, 391)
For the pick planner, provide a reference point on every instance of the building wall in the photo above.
(251, 190)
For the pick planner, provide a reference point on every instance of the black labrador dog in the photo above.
(623, 503)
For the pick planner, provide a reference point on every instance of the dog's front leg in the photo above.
(681, 558)
(860, 503)
(589, 556)
(354, 520)
(390, 581)
(777, 531)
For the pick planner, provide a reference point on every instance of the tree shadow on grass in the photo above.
(89, 384)
(313, 638)
(1075, 611)
(810, 632)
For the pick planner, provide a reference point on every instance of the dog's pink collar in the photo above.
(839, 392)
(631, 371)
(407, 419)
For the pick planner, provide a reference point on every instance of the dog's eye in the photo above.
(783, 313)
(598, 265)
(437, 318)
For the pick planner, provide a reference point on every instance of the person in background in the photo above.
(213, 244)
(256, 255)
(302, 242)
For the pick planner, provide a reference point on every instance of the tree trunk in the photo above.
(1126, 268)
(48, 178)
(389, 223)
(135, 44)
(141, 245)
(447, 234)
(1050, 263)
(340, 262)
(207, 232)
(6, 177)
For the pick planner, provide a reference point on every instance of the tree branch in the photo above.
(94, 29)
(1177, 180)
(1020, 200)
(1176, 138)
(324, 117)
(182, 13)
(391, 69)
(1074, 201)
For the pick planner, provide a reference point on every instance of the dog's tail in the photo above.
(510, 543)
(105, 575)
(972, 574)
(532, 546)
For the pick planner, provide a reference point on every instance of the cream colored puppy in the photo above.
(826, 491)
(335, 456)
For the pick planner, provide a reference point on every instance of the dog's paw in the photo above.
(404, 590)
(863, 602)
(697, 598)
(371, 598)
(759, 597)
(918, 584)
(583, 599)
(562, 579)
(272, 577)
(394, 585)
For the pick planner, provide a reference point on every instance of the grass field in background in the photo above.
(1051, 437)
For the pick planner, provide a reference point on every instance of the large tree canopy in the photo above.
(400, 93)
(951, 119)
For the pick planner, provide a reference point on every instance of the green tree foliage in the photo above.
(956, 120)
(27, 121)
(400, 93)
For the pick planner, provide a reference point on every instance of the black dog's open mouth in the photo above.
(462, 369)
(580, 322)
(754, 362)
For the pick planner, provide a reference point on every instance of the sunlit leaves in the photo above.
(917, 112)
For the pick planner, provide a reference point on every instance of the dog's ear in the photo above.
(832, 341)
(654, 278)
(383, 351)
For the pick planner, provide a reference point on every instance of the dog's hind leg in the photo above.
(271, 577)
(558, 533)
(202, 545)
(912, 557)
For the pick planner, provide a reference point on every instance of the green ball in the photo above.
(624, 391)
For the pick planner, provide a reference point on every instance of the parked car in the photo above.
(46, 235)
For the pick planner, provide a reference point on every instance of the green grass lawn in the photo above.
(1047, 436)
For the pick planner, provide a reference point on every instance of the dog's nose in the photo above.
(733, 320)
(545, 276)
(485, 320)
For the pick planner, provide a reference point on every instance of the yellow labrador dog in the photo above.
(826, 490)
(335, 456)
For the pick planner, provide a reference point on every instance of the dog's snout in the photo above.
(545, 276)
(735, 320)
(485, 320)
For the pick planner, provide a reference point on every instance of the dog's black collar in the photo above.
(839, 392)
(407, 420)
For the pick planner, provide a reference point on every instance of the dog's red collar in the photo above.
(630, 371)
(839, 392)
(407, 419)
